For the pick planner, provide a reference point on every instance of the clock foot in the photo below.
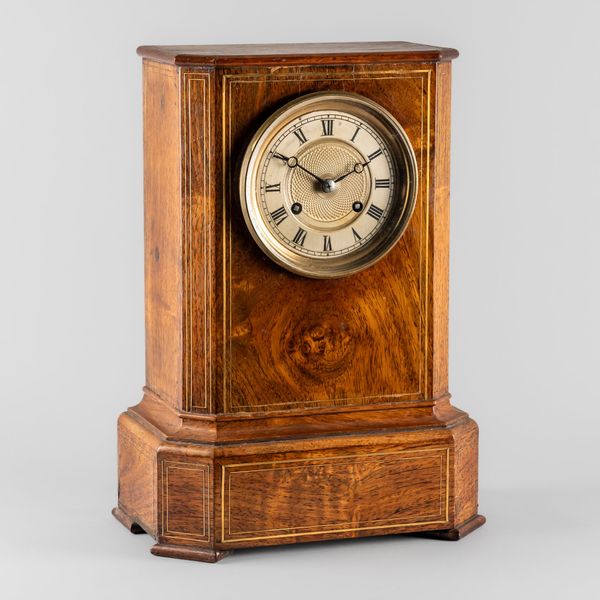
(186, 553)
(456, 533)
(127, 521)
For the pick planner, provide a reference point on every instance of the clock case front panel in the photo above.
(250, 365)
(298, 343)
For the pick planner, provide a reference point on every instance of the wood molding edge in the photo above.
(186, 553)
(456, 533)
(127, 521)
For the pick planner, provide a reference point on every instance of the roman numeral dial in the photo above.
(326, 183)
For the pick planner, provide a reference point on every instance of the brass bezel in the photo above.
(393, 134)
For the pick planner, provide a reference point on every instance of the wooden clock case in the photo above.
(281, 409)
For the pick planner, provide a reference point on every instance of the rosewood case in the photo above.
(280, 409)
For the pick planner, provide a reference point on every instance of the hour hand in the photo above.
(357, 168)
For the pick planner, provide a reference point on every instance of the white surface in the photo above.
(524, 295)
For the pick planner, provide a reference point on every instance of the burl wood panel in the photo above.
(295, 343)
(162, 232)
(341, 493)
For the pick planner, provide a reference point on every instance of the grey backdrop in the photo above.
(525, 293)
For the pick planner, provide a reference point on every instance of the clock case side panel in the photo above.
(439, 240)
(178, 193)
(466, 433)
(162, 248)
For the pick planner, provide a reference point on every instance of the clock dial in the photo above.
(328, 184)
(338, 191)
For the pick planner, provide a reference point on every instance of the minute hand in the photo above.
(312, 174)
(292, 162)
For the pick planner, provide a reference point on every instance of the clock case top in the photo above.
(304, 54)
(238, 348)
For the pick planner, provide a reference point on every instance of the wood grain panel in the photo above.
(185, 501)
(335, 494)
(439, 236)
(137, 473)
(466, 471)
(162, 232)
(292, 342)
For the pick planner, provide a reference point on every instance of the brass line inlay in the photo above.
(338, 524)
(447, 483)
(425, 345)
(227, 80)
(441, 453)
(187, 185)
(225, 191)
(341, 402)
(185, 535)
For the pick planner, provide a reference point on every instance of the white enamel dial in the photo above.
(328, 184)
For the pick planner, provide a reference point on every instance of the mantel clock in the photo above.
(296, 283)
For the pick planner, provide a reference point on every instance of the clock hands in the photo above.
(327, 185)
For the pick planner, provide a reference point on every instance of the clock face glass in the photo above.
(328, 184)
